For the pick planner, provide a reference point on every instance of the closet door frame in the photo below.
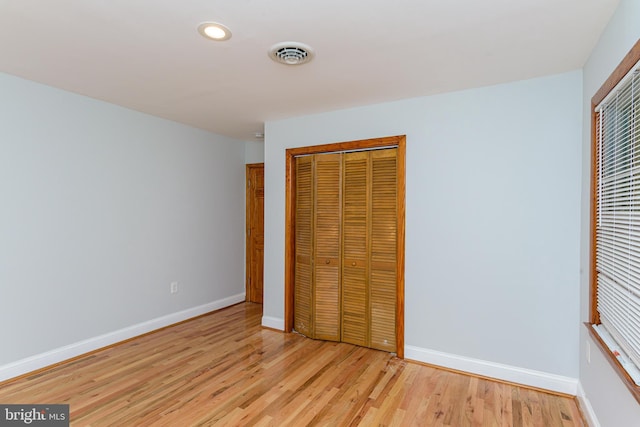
(290, 203)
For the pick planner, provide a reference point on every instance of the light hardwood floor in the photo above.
(224, 369)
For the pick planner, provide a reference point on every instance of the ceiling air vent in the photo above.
(291, 53)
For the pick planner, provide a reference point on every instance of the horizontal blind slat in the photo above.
(618, 214)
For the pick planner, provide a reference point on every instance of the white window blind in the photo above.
(618, 215)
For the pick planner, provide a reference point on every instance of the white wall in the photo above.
(492, 217)
(100, 209)
(611, 402)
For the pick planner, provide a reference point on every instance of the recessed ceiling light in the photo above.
(214, 31)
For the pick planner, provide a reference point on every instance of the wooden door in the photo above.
(326, 248)
(255, 232)
(346, 247)
(383, 234)
(355, 295)
(303, 293)
(365, 258)
(369, 282)
(318, 224)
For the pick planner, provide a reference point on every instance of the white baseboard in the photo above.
(499, 371)
(273, 323)
(57, 355)
(587, 409)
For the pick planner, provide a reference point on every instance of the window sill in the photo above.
(613, 361)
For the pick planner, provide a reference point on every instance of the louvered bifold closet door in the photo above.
(346, 245)
(328, 207)
(355, 303)
(303, 289)
(383, 244)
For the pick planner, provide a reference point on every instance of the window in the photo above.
(615, 316)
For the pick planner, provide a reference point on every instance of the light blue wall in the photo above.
(101, 208)
(492, 216)
(254, 152)
(612, 403)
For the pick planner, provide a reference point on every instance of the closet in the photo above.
(346, 245)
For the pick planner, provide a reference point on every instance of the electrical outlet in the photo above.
(174, 287)
(588, 352)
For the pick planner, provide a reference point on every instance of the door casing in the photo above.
(290, 203)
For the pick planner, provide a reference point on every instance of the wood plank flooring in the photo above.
(224, 369)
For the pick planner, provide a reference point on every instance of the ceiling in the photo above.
(147, 55)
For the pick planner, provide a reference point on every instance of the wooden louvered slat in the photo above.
(354, 266)
(303, 292)
(328, 208)
(383, 236)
